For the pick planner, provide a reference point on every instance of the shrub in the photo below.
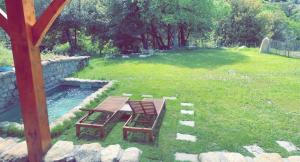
(88, 46)
(109, 49)
(62, 48)
(11, 130)
(6, 57)
(59, 129)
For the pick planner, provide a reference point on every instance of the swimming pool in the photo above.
(6, 68)
(60, 101)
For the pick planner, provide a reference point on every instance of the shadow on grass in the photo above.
(204, 58)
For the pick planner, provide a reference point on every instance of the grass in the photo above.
(6, 57)
(240, 98)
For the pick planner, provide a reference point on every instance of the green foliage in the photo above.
(5, 56)
(251, 20)
(62, 49)
(242, 26)
(280, 19)
(134, 25)
(109, 49)
(12, 130)
(126, 25)
(86, 45)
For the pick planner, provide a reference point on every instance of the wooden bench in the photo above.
(108, 110)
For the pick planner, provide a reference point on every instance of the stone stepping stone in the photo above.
(184, 104)
(16, 153)
(88, 152)
(147, 96)
(254, 149)
(59, 151)
(293, 159)
(288, 146)
(187, 112)
(131, 154)
(127, 94)
(187, 123)
(111, 153)
(186, 157)
(7, 144)
(170, 98)
(268, 157)
(186, 137)
(222, 157)
(144, 56)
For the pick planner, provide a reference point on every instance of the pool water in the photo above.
(59, 102)
(6, 68)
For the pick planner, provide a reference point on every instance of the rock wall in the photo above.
(53, 71)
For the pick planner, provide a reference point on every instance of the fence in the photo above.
(288, 48)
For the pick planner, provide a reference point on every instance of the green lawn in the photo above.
(240, 97)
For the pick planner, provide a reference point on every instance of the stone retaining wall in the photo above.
(53, 71)
(14, 150)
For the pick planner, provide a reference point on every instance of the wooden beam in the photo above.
(44, 23)
(19, 23)
(3, 21)
(29, 76)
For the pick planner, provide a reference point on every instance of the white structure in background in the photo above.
(265, 45)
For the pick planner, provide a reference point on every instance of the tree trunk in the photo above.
(179, 37)
(144, 41)
(153, 34)
(182, 35)
(69, 38)
(170, 35)
(75, 39)
(160, 42)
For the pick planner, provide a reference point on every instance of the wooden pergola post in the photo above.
(26, 34)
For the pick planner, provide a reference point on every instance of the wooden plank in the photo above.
(46, 20)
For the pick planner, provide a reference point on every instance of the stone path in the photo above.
(170, 98)
(187, 123)
(144, 56)
(147, 96)
(187, 112)
(254, 149)
(127, 94)
(14, 151)
(288, 146)
(186, 157)
(187, 104)
(125, 57)
(233, 157)
(186, 137)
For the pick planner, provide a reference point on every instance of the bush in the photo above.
(88, 46)
(11, 129)
(109, 49)
(6, 57)
(62, 49)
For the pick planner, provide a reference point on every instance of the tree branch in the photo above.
(45, 21)
(3, 21)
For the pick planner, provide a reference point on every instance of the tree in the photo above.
(242, 26)
(126, 26)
